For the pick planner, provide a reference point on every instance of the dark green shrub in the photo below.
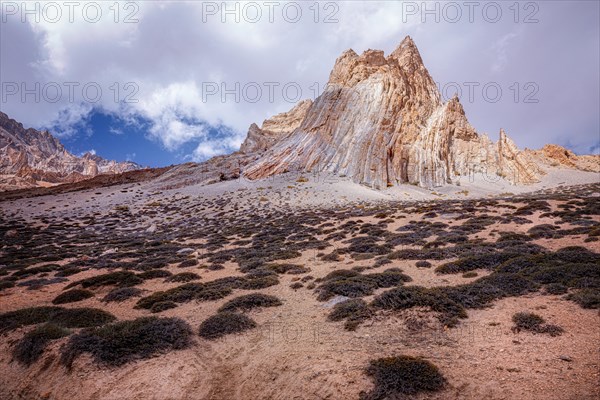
(296, 285)
(354, 311)
(543, 231)
(32, 345)
(225, 323)
(183, 277)
(556, 288)
(259, 283)
(398, 376)
(470, 274)
(483, 291)
(81, 317)
(162, 306)
(250, 301)
(483, 261)
(65, 317)
(122, 294)
(287, 268)
(436, 299)
(534, 323)
(351, 283)
(6, 285)
(119, 278)
(26, 316)
(154, 274)
(527, 320)
(586, 298)
(72, 296)
(36, 270)
(333, 256)
(34, 284)
(550, 329)
(423, 264)
(69, 271)
(188, 263)
(208, 291)
(125, 341)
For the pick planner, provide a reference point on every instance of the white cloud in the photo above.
(91, 151)
(500, 47)
(171, 54)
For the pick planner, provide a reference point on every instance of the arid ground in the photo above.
(333, 276)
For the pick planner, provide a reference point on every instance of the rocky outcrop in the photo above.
(29, 158)
(559, 156)
(380, 120)
(275, 128)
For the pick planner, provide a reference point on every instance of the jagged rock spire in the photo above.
(381, 122)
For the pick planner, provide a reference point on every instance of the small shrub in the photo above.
(125, 341)
(68, 271)
(489, 261)
(6, 285)
(183, 277)
(212, 290)
(296, 285)
(250, 301)
(556, 288)
(122, 294)
(72, 296)
(287, 268)
(154, 274)
(119, 278)
(470, 274)
(586, 298)
(225, 323)
(527, 320)
(402, 375)
(27, 316)
(550, 329)
(162, 306)
(436, 299)
(333, 256)
(81, 317)
(65, 317)
(354, 311)
(259, 283)
(351, 283)
(423, 264)
(32, 345)
(534, 323)
(188, 263)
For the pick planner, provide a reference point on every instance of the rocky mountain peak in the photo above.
(29, 156)
(381, 122)
(407, 54)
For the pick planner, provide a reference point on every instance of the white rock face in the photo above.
(274, 128)
(28, 156)
(381, 122)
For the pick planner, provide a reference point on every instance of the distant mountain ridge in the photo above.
(30, 158)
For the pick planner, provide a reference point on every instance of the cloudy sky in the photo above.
(167, 82)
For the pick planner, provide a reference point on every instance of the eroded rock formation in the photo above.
(381, 121)
(29, 158)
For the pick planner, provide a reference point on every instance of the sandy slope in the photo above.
(296, 353)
